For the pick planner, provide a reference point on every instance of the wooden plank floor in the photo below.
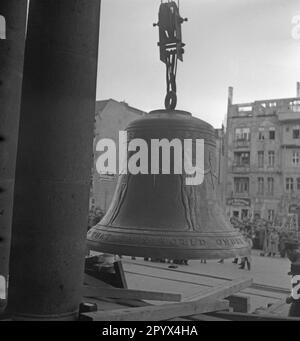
(150, 276)
(154, 276)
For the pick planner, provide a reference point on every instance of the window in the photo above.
(242, 158)
(261, 134)
(295, 158)
(260, 189)
(295, 105)
(272, 133)
(271, 158)
(241, 185)
(257, 215)
(298, 184)
(296, 133)
(271, 215)
(242, 134)
(270, 186)
(289, 184)
(260, 156)
(245, 109)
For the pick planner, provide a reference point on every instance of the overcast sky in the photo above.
(246, 44)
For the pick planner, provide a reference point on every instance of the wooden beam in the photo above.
(180, 319)
(95, 282)
(219, 291)
(94, 291)
(276, 306)
(156, 313)
(132, 303)
(251, 317)
(207, 301)
(203, 317)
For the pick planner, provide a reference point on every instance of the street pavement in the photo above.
(272, 282)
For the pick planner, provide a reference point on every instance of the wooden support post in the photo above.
(54, 159)
(239, 303)
(121, 279)
(12, 41)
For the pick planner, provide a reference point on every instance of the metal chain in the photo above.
(171, 69)
(171, 46)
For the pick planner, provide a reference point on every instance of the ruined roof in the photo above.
(100, 106)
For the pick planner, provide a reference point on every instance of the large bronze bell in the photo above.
(160, 216)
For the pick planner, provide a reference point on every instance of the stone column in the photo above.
(54, 159)
(12, 40)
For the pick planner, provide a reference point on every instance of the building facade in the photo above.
(263, 159)
(111, 117)
(220, 165)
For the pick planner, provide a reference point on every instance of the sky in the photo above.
(247, 44)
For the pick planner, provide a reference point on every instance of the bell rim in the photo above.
(167, 253)
(162, 230)
(139, 246)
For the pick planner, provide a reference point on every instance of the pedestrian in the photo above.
(247, 260)
(274, 241)
(283, 236)
(235, 261)
(266, 242)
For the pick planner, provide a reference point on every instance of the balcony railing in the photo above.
(242, 194)
(242, 143)
(241, 168)
(286, 108)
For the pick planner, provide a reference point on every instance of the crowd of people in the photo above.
(271, 243)
(267, 237)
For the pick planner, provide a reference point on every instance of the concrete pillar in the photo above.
(230, 95)
(54, 159)
(298, 89)
(12, 40)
